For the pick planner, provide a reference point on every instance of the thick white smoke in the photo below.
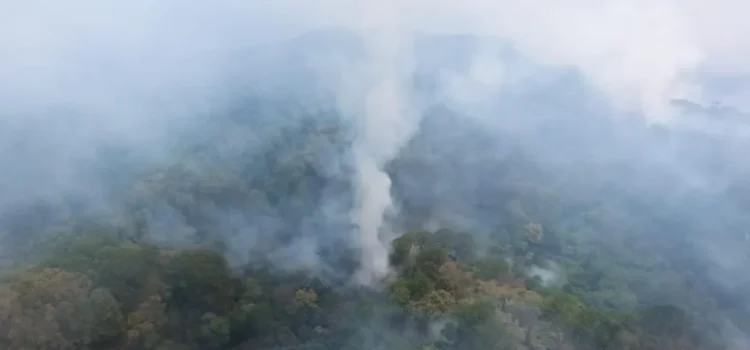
(385, 121)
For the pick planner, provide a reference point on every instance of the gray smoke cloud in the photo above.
(83, 73)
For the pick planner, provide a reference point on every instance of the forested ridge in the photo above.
(510, 239)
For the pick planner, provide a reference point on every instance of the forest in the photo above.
(562, 232)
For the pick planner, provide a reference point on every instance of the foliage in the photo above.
(200, 258)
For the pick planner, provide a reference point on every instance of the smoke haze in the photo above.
(646, 101)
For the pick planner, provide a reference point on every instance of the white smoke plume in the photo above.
(385, 122)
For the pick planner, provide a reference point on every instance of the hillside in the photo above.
(538, 220)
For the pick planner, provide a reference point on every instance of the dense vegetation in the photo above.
(244, 241)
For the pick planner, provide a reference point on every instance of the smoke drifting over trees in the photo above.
(374, 175)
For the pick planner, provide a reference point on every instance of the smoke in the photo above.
(85, 84)
(385, 120)
(83, 74)
(641, 53)
(550, 276)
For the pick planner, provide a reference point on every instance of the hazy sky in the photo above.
(639, 51)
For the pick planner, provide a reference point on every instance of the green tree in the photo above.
(55, 309)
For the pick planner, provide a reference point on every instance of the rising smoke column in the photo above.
(385, 121)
